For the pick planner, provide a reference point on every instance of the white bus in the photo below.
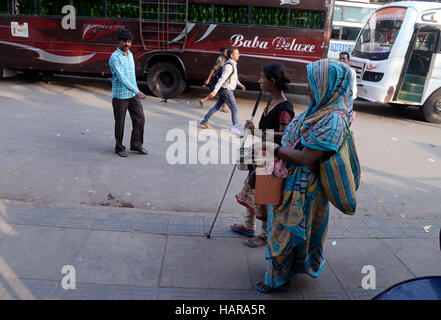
(349, 18)
(397, 57)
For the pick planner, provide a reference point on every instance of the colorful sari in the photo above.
(297, 228)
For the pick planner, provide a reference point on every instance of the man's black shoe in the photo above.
(140, 150)
(121, 153)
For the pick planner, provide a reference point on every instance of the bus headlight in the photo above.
(372, 76)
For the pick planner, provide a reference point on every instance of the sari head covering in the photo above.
(331, 84)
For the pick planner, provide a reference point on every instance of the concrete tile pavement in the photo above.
(144, 256)
(421, 256)
(349, 256)
(37, 252)
(120, 258)
(195, 262)
(29, 289)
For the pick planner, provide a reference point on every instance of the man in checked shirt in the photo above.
(126, 95)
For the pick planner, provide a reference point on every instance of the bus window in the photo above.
(230, 14)
(126, 9)
(4, 6)
(52, 7)
(335, 33)
(306, 19)
(88, 8)
(349, 33)
(426, 41)
(24, 6)
(150, 11)
(270, 16)
(177, 12)
(200, 12)
(338, 13)
(354, 14)
(379, 34)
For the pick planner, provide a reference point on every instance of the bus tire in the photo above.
(1, 73)
(165, 80)
(431, 110)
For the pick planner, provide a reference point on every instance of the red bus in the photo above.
(176, 41)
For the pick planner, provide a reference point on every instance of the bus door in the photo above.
(417, 68)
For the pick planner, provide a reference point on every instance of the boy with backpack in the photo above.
(215, 74)
(226, 85)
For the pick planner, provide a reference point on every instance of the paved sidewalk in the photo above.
(132, 255)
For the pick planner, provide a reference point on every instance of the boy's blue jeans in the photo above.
(225, 96)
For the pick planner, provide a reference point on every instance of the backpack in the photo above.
(216, 76)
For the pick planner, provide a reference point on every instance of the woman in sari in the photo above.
(297, 228)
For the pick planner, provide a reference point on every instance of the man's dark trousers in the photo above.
(136, 112)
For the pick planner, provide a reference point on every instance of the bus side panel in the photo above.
(50, 47)
(294, 48)
(100, 39)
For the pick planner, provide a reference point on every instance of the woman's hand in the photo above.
(250, 126)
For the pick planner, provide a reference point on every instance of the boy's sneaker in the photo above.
(205, 125)
(238, 129)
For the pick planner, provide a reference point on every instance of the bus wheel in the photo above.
(1, 73)
(165, 80)
(431, 110)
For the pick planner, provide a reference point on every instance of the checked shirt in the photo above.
(123, 75)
